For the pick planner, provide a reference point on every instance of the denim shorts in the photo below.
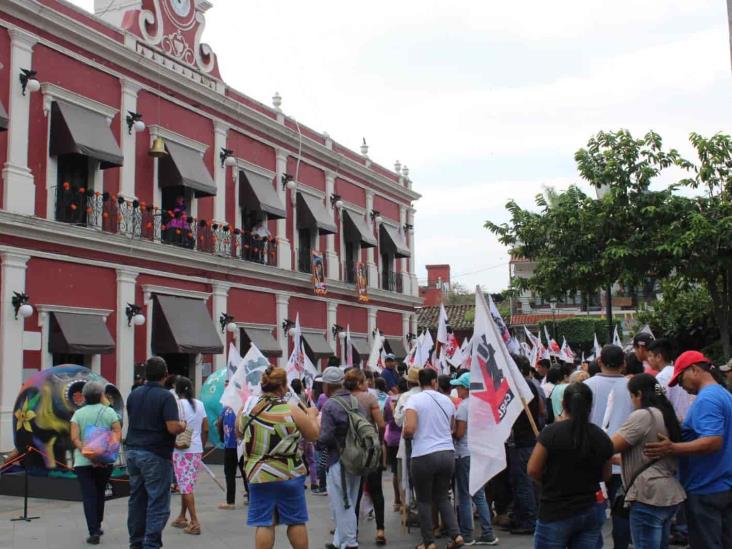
(281, 502)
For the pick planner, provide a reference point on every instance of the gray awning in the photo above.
(183, 325)
(79, 334)
(356, 229)
(185, 167)
(263, 340)
(76, 130)
(393, 240)
(317, 345)
(361, 345)
(256, 192)
(395, 345)
(312, 213)
(3, 118)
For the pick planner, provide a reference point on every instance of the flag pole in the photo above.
(529, 415)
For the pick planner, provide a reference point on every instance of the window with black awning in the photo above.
(183, 325)
(311, 213)
(392, 241)
(357, 230)
(360, 344)
(76, 130)
(316, 346)
(395, 345)
(184, 167)
(79, 334)
(257, 194)
(262, 338)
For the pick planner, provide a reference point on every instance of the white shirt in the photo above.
(679, 398)
(611, 404)
(194, 420)
(434, 423)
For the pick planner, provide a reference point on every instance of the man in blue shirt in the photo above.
(705, 453)
(153, 424)
(389, 372)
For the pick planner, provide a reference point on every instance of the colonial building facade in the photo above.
(148, 208)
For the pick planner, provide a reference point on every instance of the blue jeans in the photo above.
(650, 526)
(149, 503)
(582, 531)
(465, 509)
(524, 503)
(621, 525)
(710, 520)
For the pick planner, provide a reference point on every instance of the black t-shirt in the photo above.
(571, 481)
(523, 434)
(148, 408)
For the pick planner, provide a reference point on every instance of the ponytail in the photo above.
(653, 395)
(577, 402)
(184, 389)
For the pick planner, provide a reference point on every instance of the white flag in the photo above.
(646, 329)
(442, 326)
(375, 354)
(424, 346)
(233, 362)
(565, 353)
(299, 365)
(496, 390)
(597, 347)
(245, 380)
(349, 347)
(616, 338)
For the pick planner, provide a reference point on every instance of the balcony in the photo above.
(392, 282)
(352, 273)
(138, 221)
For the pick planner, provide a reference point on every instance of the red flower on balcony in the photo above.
(148, 225)
(88, 209)
(82, 190)
(66, 185)
(73, 206)
(105, 215)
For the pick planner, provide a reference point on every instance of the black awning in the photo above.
(76, 130)
(360, 344)
(79, 334)
(312, 213)
(256, 192)
(183, 325)
(184, 167)
(356, 229)
(3, 118)
(264, 341)
(395, 345)
(317, 345)
(393, 241)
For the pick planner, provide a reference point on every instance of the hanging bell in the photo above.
(158, 148)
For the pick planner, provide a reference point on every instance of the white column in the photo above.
(125, 341)
(410, 244)
(370, 264)
(413, 323)
(19, 191)
(284, 251)
(371, 326)
(129, 140)
(405, 327)
(11, 342)
(330, 252)
(219, 305)
(403, 261)
(283, 303)
(220, 132)
(331, 317)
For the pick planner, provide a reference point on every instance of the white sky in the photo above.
(483, 100)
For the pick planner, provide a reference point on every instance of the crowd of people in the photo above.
(640, 436)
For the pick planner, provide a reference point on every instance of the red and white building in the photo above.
(221, 219)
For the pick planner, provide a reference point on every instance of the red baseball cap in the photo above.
(686, 360)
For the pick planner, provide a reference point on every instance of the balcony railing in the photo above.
(392, 282)
(351, 274)
(139, 221)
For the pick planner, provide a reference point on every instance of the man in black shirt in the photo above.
(153, 424)
(524, 439)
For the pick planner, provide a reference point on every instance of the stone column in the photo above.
(403, 261)
(410, 244)
(331, 257)
(283, 303)
(405, 328)
(125, 340)
(220, 132)
(370, 264)
(371, 326)
(12, 277)
(19, 190)
(219, 305)
(129, 140)
(284, 249)
(331, 320)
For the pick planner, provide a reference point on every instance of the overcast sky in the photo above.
(483, 100)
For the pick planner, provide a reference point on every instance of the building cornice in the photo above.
(66, 28)
(45, 309)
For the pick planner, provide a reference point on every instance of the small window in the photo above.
(59, 359)
(351, 249)
(73, 192)
(388, 281)
(176, 209)
(304, 259)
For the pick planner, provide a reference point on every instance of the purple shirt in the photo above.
(393, 431)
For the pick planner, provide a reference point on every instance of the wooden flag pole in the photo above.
(532, 421)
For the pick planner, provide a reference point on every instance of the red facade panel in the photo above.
(389, 323)
(306, 173)
(312, 312)
(355, 317)
(388, 209)
(253, 307)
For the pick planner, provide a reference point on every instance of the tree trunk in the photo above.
(721, 303)
(609, 313)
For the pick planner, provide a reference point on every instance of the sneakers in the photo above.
(486, 540)
(93, 540)
(320, 492)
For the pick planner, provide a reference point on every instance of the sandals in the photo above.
(380, 539)
(457, 541)
(179, 523)
(193, 529)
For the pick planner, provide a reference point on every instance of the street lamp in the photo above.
(227, 323)
(134, 315)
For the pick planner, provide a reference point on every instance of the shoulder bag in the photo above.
(183, 440)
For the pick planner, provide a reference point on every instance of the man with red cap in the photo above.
(705, 455)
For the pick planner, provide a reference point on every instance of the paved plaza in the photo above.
(62, 525)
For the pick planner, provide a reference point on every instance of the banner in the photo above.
(616, 338)
(496, 392)
(362, 282)
(233, 362)
(245, 380)
(318, 265)
(374, 362)
(299, 365)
